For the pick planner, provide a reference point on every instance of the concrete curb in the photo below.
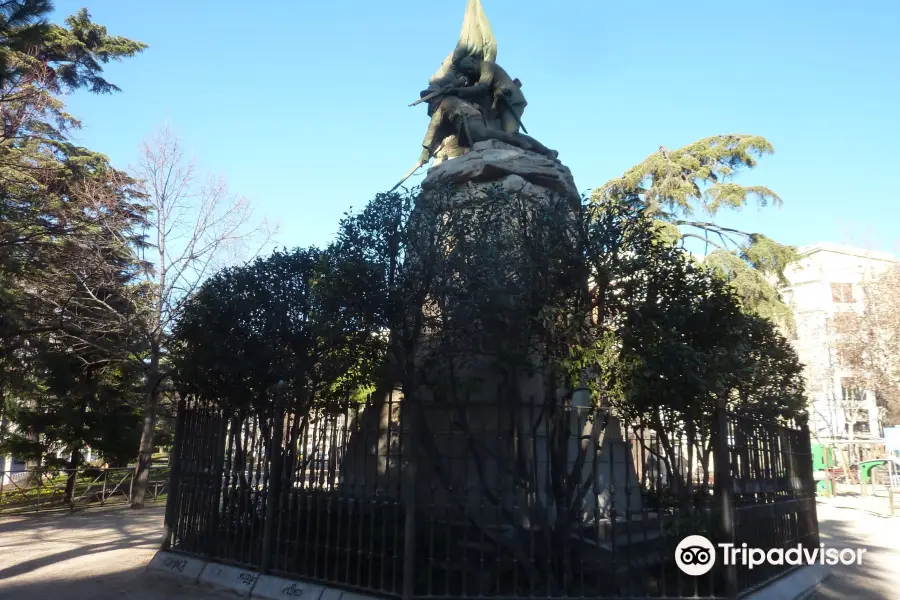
(269, 587)
(244, 582)
(352, 596)
(224, 577)
(178, 565)
(798, 585)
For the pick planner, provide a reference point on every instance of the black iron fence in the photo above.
(774, 491)
(37, 490)
(488, 499)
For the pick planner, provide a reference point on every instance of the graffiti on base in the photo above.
(247, 578)
(292, 591)
(175, 564)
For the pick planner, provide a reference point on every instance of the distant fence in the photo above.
(36, 490)
(488, 500)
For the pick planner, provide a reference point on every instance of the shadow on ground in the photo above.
(131, 584)
(91, 554)
(97, 555)
(82, 551)
(875, 578)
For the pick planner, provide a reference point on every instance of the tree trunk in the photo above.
(77, 458)
(691, 441)
(145, 452)
(74, 463)
(2, 400)
(707, 453)
(2, 415)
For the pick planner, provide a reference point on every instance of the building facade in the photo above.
(826, 292)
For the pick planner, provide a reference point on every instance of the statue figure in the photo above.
(491, 80)
(471, 98)
(462, 118)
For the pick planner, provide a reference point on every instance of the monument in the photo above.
(476, 110)
(480, 147)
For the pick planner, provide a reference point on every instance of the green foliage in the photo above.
(684, 338)
(673, 336)
(673, 186)
(41, 168)
(69, 227)
(64, 406)
(695, 177)
(60, 205)
(754, 286)
(293, 318)
(484, 278)
(503, 277)
(77, 51)
(474, 294)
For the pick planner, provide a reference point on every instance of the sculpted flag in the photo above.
(476, 39)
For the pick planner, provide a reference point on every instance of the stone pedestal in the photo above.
(493, 163)
(495, 439)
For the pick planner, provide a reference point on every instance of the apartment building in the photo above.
(826, 291)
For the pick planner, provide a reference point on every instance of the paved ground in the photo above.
(87, 555)
(845, 525)
(102, 554)
(877, 503)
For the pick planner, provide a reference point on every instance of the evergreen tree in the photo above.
(69, 226)
(68, 407)
(686, 188)
(44, 212)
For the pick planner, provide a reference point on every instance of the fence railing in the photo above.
(36, 490)
(485, 500)
(775, 494)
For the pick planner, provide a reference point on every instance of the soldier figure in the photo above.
(453, 80)
(472, 99)
(493, 83)
(465, 120)
(484, 84)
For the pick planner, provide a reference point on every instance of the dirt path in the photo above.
(88, 555)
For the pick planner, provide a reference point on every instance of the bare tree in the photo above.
(870, 345)
(194, 226)
(152, 240)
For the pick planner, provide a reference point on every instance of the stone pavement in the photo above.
(96, 554)
(846, 525)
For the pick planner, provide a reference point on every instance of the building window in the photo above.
(851, 393)
(853, 399)
(841, 292)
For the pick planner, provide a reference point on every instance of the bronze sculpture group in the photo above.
(476, 100)
(472, 99)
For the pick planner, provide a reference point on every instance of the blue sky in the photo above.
(303, 105)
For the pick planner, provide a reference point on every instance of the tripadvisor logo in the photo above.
(695, 555)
